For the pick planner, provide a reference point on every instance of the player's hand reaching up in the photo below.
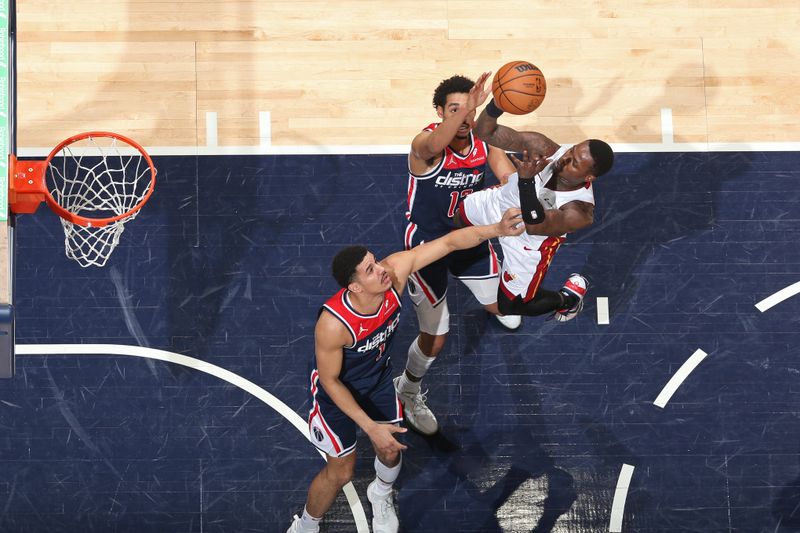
(382, 437)
(478, 94)
(510, 224)
(530, 164)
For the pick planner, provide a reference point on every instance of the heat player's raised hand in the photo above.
(530, 165)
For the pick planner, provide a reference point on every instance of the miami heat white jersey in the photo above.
(526, 257)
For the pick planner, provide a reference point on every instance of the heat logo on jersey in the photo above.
(460, 178)
(381, 337)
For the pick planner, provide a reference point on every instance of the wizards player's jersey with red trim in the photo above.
(433, 197)
(366, 359)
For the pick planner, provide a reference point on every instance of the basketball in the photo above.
(519, 87)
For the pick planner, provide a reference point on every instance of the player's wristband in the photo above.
(492, 110)
(532, 209)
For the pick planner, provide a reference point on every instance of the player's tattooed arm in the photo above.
(512, 140)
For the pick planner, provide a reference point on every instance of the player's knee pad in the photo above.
(433, 320)
(484, 290)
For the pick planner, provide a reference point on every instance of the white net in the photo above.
(97, 178)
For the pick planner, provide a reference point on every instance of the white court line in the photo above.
(602, 310)
(214, 370)
(677, 379)
(264, 129)
(390, 149)
(620, 495)
(667, 136)
(211, 129)
(778, 297)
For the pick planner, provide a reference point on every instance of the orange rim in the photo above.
(97, 222)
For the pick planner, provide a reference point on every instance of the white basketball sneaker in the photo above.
(576, 285)
(509, 321)
(297, 527)
(384, 517)
(415, 411)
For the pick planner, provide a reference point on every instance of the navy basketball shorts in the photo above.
(333, 432)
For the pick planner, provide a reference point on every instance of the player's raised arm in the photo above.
(500, 136)
(402, 264)
(427, 145)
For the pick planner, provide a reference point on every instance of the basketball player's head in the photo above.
(355, 269)
(584, 163)
(449, 96)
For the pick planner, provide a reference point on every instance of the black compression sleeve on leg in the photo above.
(543, 302)
(532, 209)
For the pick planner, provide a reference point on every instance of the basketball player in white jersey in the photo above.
(553, 187)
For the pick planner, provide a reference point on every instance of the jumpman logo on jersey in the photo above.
(361, 329)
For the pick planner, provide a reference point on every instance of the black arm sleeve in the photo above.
(532, 209)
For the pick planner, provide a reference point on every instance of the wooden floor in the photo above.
(362, 72)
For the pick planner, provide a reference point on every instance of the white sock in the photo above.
(406, 385)
(308, 522)
(385, 476)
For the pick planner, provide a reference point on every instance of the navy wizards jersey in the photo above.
(366, 360)
(434, 197)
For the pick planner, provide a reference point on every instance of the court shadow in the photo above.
(498, 462)
(496, 489)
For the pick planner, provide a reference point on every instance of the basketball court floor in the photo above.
(166, 391)
(537, 425)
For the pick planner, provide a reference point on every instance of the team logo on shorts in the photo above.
(318, 434)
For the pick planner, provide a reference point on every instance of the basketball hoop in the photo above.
(96, 182)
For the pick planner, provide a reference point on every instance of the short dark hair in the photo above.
(602, 155)
(456, 84)
(345, 262)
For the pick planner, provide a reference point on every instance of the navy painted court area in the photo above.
(229, 263)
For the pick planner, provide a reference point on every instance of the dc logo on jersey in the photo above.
(318, 434)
